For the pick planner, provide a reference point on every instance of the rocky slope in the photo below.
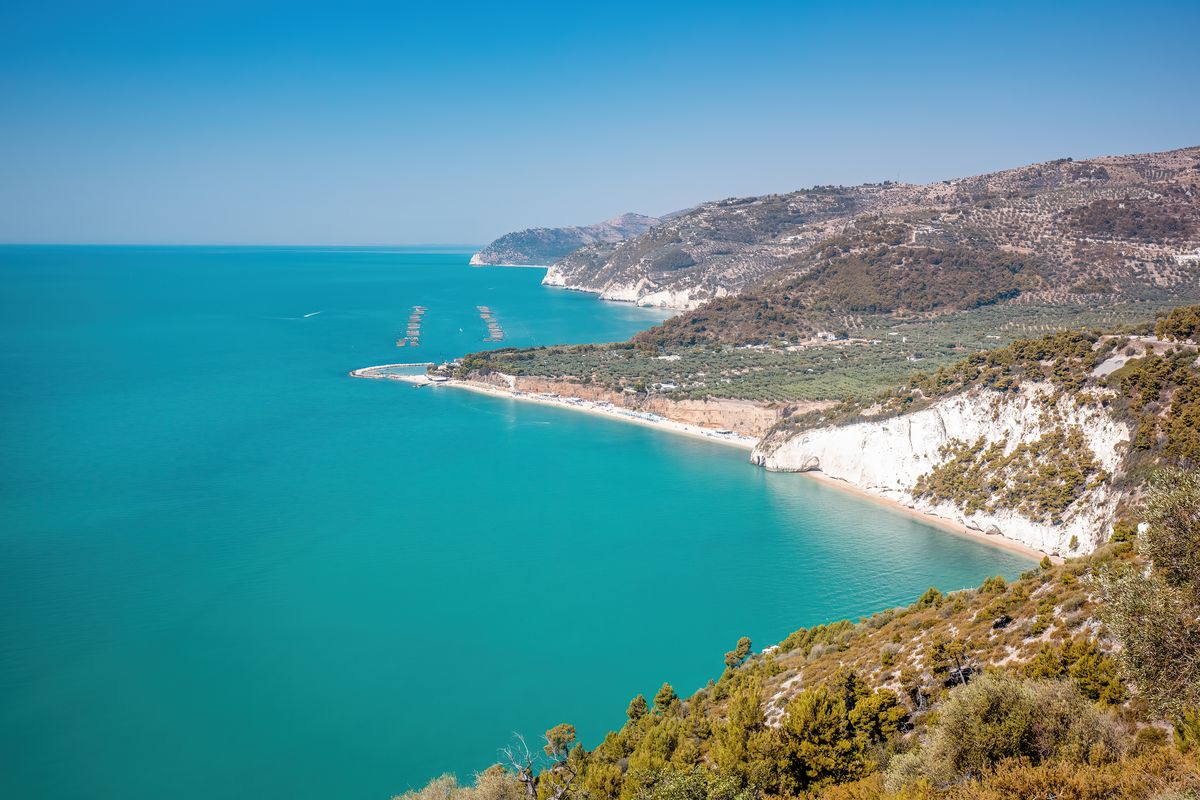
(544, 246)
(1128, 225)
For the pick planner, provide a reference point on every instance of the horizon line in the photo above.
(463, 245)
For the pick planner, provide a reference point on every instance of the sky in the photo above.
(455, 122)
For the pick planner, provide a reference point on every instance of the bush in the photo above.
(1156, 775)
(696, 784)
(1156, 616)
(999, 717)
(1181, 324)
(1093, 673)
(993, 585)
(494, 783)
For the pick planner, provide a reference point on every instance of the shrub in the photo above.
(993, 585)
(1181, 324)
(697, 784)
(1156, 616)
(999, 717)
(931, 598)
(1093, 673)
(1156, 775)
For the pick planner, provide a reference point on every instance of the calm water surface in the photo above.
(228, 570)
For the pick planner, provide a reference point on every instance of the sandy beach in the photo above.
(746, 443)
(944, 523)
(573, 403)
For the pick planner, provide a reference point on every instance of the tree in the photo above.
(831, 731)
(1156, 613)
(913, 685)
(637, 708)
(652, 754)
(1172, 539)
(818, 737)
(522, 762)
(735, 657)
(744, 747)
(558, 742)
(932, 597)
(1080, 659)
(1181, 324)
(950, 660)
(665, 700)
(559, 772)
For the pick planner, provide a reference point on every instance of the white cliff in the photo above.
(887, 456)
(642, 292)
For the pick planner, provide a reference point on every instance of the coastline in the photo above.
(944, 523)
(742, 442)
(574, 404)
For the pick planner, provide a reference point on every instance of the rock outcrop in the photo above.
(888, 456)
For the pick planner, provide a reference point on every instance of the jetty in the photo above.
(395, 372)
(495, 332)
(412, 333)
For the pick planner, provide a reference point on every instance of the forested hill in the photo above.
(544, 246)
(1064, 231)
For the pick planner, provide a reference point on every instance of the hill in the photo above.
(1117, 227)
(544, 246)
(1055, 400)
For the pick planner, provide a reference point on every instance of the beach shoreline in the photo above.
(944, 523)
(608, 410)
(746, 443)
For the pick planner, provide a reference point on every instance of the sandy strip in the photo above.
(588, 406)
(933, 520)
(695, 431)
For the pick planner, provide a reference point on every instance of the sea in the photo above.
(227, 569)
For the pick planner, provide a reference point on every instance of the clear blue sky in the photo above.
(351, 122)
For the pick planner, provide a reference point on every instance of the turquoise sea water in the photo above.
(228, 570)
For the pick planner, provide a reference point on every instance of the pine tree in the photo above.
(665, 700)
(637, 708)
(735, 657)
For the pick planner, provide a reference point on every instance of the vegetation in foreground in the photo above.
(1080, 680)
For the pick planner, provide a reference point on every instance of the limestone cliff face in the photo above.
(888, 456)
(640, 291)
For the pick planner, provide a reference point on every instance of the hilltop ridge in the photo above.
(1127, 224)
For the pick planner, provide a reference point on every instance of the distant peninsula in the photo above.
(541, 247)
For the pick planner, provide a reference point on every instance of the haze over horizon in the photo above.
(368, 123)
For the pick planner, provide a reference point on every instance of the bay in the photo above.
(229, 570)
